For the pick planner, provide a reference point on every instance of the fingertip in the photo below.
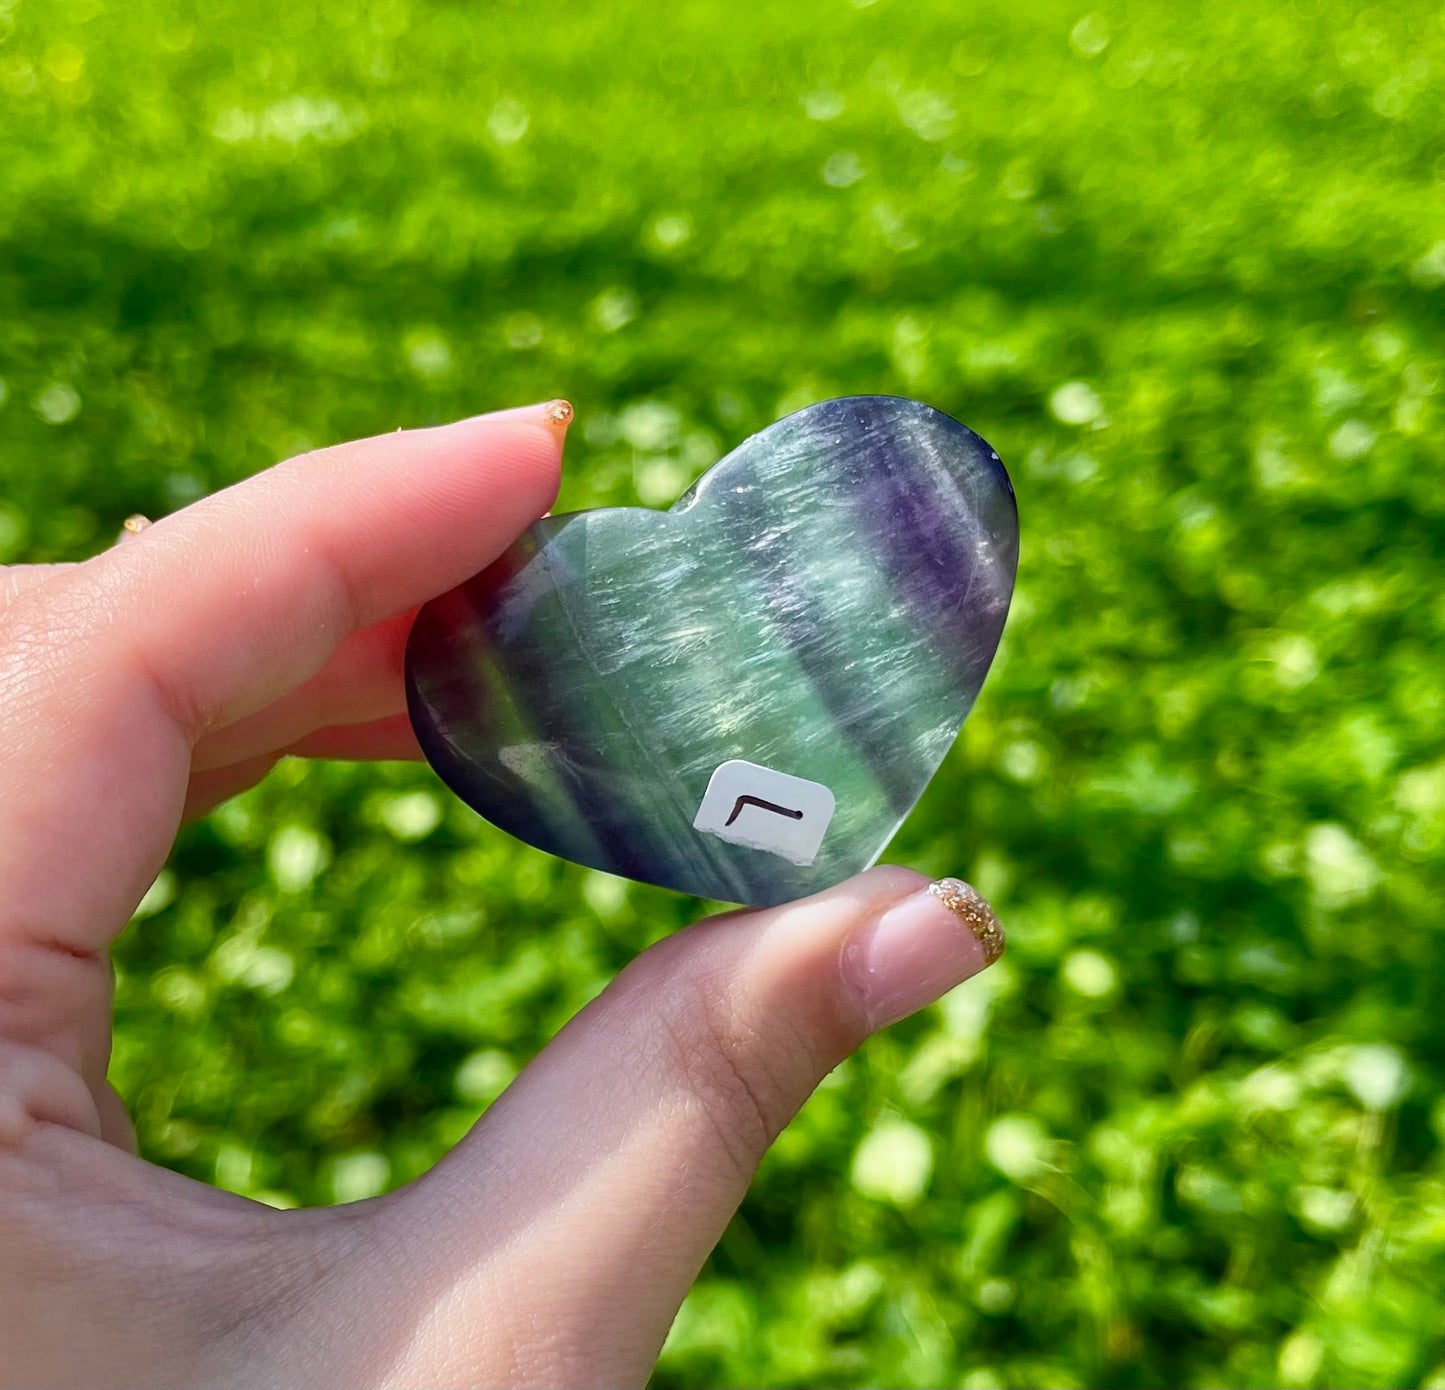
(550, 418)
(474, 470)
(537, 435)
(537, 431)
(925, 943)
(558, 414)
(793, 961)
(836, 909)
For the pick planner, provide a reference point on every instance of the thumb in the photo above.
(603, 1177)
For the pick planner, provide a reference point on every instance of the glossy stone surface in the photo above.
(824, 604)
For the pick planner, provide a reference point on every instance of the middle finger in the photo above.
(361, 683)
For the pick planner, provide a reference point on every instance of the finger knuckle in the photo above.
(36, 634)
(720, 1061)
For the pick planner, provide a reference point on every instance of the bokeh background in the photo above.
(1184, 266)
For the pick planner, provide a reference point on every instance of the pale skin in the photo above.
(554, 1245)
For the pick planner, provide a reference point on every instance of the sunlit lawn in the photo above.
(1184, 266)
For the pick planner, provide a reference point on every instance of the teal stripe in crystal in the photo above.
(825, 602)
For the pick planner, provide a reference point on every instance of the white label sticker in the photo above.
(764, 809)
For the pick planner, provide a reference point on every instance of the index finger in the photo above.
(235, 600)
(110, 672)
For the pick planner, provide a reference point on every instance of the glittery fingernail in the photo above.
(919, 949)
(967, 904)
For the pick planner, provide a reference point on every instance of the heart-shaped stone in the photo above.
(741, 697)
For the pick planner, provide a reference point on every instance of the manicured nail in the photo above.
(557, 413)
(919, 949)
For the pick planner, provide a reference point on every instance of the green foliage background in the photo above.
(1184, 266)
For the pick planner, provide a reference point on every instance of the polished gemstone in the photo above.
(741, 697)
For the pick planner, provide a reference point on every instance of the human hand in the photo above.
(554, 1245)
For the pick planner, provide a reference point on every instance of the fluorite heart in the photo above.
(744, 696)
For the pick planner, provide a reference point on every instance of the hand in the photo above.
(554, 1245)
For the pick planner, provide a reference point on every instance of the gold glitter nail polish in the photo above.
(967, 904)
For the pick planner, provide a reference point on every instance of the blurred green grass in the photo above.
(1183, 266)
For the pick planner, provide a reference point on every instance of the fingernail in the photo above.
(919, 949)
(557, 413)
